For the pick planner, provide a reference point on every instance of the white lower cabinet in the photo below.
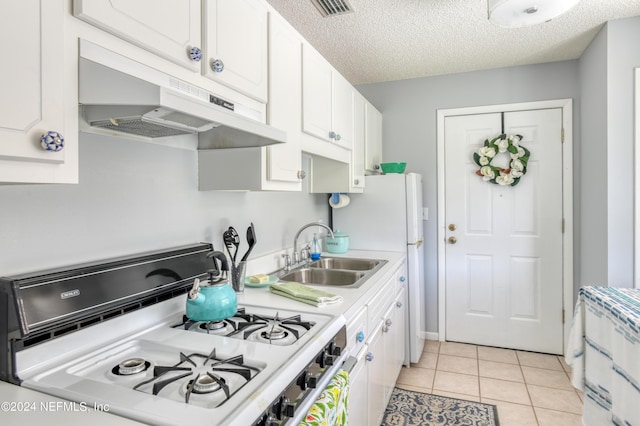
(358, 392)
(376, 375)
(380, 358)
(393, 330)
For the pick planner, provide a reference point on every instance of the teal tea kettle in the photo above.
(213, 299)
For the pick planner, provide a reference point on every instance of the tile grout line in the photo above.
(526, 387)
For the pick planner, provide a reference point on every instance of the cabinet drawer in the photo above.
(379, 304)
(400, 279)
(357, 332)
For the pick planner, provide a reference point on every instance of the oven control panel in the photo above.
(307, 386)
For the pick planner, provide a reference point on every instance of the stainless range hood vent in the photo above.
(122, 97)
(332, 7)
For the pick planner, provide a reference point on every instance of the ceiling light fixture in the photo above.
(523, 13)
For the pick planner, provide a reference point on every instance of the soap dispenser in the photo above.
(315, 249)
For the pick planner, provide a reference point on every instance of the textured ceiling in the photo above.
(384, 40)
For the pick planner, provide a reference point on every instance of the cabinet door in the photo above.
(168, 28)
(388, 330)
(236, 45)
(33, 96)
(316, 94)
(397, 332)
(376, 373)
(358, 392)
(373, 138)
(342, 98)
(284, 110)
(357, 149)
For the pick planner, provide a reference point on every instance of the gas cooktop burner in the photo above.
(207, 383)
(131, 366)
(208, 370)
(275, 333)
(254, 327)
(212, 326)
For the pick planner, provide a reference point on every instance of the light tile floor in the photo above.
(528, 388)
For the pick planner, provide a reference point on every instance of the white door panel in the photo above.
(504, 271)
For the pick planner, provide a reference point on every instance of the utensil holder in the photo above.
(237, 276)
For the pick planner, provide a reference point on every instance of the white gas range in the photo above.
(113, 335)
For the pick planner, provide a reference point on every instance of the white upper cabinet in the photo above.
(168, 28)
(275, 167)
(357, 150)
(34, 102)
(342, 97)
(284, 110)
(235, 48)
(326, 100)
(373, 139)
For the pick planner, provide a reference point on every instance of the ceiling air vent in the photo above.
(332, 7)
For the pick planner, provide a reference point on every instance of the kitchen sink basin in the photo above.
(345, 263)
(334, 271)
(323, 276)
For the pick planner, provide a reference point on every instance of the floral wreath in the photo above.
(517, 166)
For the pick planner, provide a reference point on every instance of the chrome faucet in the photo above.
(296, 255)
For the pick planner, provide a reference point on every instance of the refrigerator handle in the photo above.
(417, 243)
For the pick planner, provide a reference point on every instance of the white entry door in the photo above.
(504, 251)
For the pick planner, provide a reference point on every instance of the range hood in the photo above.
(126, 98)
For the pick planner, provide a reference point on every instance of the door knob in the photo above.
(452, 227)
(452, 240)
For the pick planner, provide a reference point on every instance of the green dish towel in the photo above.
(331, 408)
(302, 293)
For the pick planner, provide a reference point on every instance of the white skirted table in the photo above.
(604, 354)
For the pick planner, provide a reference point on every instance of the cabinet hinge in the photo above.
(562, 135)
(563, 315)
(563, 225)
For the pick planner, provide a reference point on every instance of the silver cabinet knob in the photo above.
(195, 53)
(369, 356)
(332, 135)
(388, 322)
(376, 166)
(338, 137)
(356, 181)
(402, 279)
(52, 141)
(217, 65)
(302, 174)
(398, 304)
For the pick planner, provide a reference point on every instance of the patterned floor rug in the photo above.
(408, 408)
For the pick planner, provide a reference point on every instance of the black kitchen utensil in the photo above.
(251, 240)
(236, 242)
(230, 241)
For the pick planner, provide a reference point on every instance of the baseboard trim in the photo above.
(429, 335)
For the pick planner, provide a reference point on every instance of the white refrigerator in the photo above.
(388, 216)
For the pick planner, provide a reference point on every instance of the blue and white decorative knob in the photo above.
(217, 65)
(360, 336)
(52, 141)
(195, 53)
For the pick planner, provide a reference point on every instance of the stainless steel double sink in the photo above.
(335, 271)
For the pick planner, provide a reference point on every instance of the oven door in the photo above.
(314, 397)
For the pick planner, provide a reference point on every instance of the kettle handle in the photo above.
(224, 266)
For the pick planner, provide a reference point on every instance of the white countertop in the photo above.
(20, 405)
(353, 298)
